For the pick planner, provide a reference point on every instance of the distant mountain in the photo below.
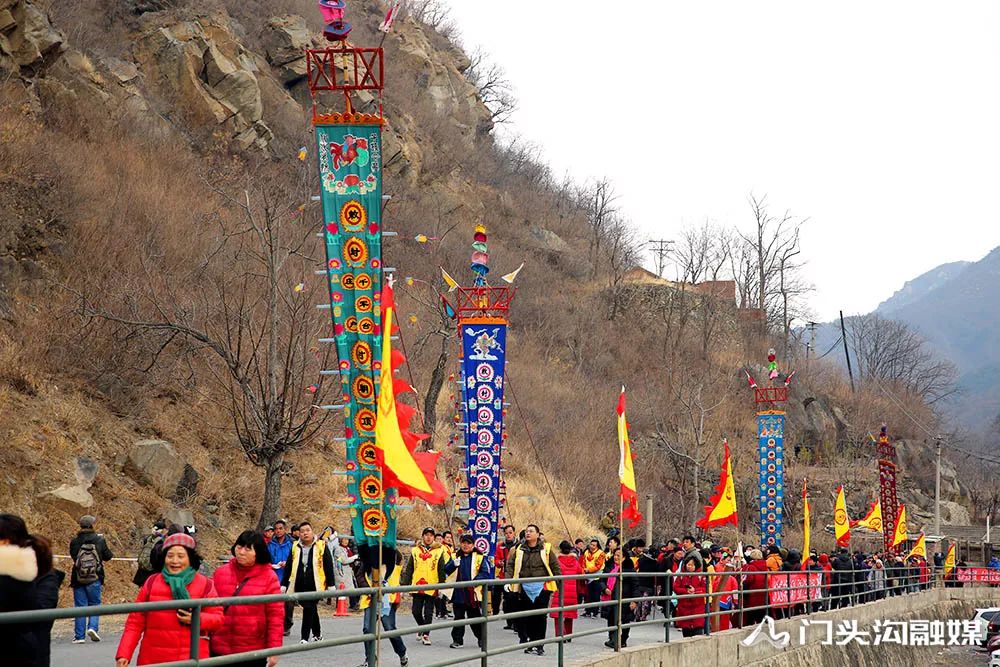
(956, 308)
(916, 289)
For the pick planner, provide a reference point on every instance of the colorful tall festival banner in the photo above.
(482, 326)
(349, 154)
(887, 487)
(771, 432)
(771, 450)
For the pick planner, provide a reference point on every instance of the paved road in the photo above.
(66, 654)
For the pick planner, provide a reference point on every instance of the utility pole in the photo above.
(843, 337)
(937, 495)
(649, 519)
(811, 345)
(661, 249)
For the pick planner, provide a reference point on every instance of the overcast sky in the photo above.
(879, 121)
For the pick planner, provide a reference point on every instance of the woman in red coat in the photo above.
(691, 583)
(249, 627)
(166, 634)
(569, 563)
(753, 602)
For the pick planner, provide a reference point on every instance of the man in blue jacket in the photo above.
(280, 548)
(471, 566)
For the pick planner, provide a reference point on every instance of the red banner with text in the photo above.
(791, 588)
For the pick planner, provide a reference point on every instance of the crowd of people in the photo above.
(698, 585)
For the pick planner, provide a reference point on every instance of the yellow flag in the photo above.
(873, 521)
(806, 519)
(919, 549)
(448, 280)
(840, 524)
(949, 560)
(900, 535)
(626, 471)
(722, 506)
(411, 473)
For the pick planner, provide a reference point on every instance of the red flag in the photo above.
(390, 16)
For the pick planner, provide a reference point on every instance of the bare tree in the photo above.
(235, 308)
(890, 351)
(703, 255)
(622, 252)
(492, 85)
(599, 202)
(443, 333)
(771, 248)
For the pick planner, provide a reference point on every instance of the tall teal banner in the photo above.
(771, 445)
(350, 168)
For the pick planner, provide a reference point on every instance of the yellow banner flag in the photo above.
(722, 506)
(840, 523)
(873, 520)
(626, 470)
(949, 560)
(919, 549)
(806, 519)
(411, 473)
(899, 536)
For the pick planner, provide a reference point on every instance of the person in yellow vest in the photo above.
(444, 593)
(532, 558)
(424, 566)
(593, 564)
(392, 562)
(310, 568)
(468, 565)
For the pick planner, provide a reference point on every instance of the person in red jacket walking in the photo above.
(569, 563)
(249, 627)
(691, 583)
(166, 633)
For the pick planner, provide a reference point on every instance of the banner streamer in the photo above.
(771, 432)
(482, 325)
(350, 166)
(887, 487)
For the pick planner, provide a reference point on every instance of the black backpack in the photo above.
(87, 564)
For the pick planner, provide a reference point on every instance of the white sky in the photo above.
(879, 121)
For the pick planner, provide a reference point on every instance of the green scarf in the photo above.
(179, 582)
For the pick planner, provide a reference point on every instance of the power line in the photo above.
(920, 425)
(831, 348)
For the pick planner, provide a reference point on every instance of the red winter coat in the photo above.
(248, 627)
(568, 564)
(690, 606)
(163, 637)
(755, 586)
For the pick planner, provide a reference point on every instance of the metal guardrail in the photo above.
(909, 584)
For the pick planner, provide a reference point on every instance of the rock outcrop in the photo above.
(211, 81)
(27, 37)
(157, 463)
(75, 498)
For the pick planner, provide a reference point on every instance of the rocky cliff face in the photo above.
(194, 77)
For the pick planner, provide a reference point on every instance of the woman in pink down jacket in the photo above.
(249, 627)
(166, 633)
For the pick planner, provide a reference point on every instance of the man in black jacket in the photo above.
(843, 579)
(89, 552)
